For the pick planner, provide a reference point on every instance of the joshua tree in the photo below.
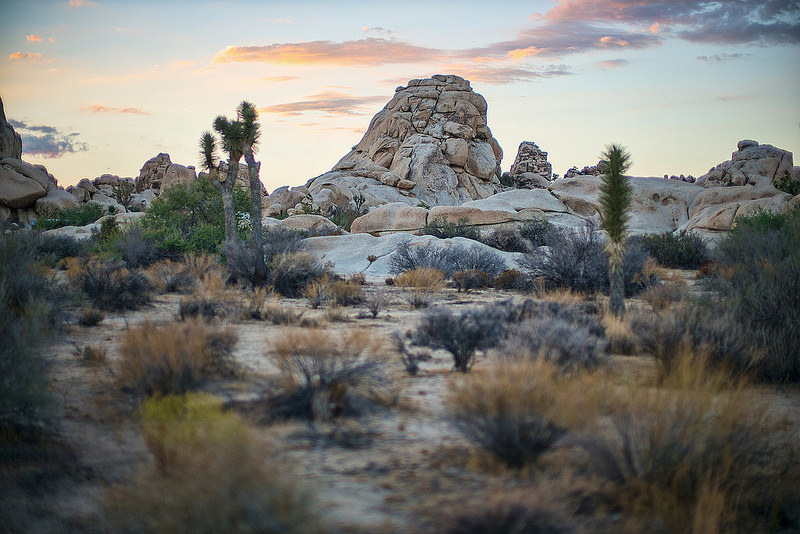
(615, 198)
(208, 149)
(251, 131)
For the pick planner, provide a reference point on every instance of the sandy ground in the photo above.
(393, 470)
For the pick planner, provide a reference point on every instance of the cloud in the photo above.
(280, 78)
(99, 108)
(377, 29)
(81, 3)
(33, 38)
(719, 58)
(368, 51)
(26, 56)
(47, 141)
(613, 63)
(721, 22)
(331, 103)
(502, 75)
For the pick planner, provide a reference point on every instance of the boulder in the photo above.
(107, 203)
(348, 254)
(10, 140)
(390, 218)
(471, 216)
(430, 143)
(17, 190)
(282, 199)
(141, 201)
(34, 172)
(530, 159)
(177, 174)
(310, 223)
(55, 200)
(752, 164)
(124, 220)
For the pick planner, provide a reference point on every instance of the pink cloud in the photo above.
(99, 108)
(81, 3)
(331, 103)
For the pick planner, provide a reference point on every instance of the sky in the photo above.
(101, 86)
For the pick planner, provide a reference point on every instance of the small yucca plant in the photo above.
(615, 199)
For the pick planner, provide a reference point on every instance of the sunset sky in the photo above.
(101, 86)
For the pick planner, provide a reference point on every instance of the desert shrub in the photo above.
(91, 317)
(694, 457)
(80, 216)
(111, 286)
(92, 354)
(537, 232)
(422, 277)
(510, 279)
(281, 315)
(786, 183)
(325, 376)
(506, 239)
(189, 218)
(760, 277)
(507, 518)
(620, 336)
(375, 302)
(506, 411)
(28, 315)
(577, 260)
(662, 296)
(289, 273)
(212, 477)
(173, 358)
(448, 260)
(345, 293)
(201, 305)
(410, 356)
(464, 333)
(52, 248)
(136, 250)
(444, 229)
(694, 327)
(171, 277)
(241, 257)
(558, 333)
(471, 279)
(686, 251)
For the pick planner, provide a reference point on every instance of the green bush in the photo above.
(685, 251)
(80, 216)
(760, 278)
(28, 313)
(190, 218)
(787, 184)
(444, 229)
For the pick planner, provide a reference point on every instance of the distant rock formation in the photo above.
(589, 170)
(751, 164)
(530, 169)
(159, 173)
(430, 144)
(10, 141)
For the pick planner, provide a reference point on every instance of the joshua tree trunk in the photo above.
(255, 194)
(616, 278)
(225, 188)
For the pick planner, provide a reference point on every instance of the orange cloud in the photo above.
(655, 28)
(99, 108)
(280, 78)
(26, 56)
(81, 3)
(613, 64)
(520, 53)
(367, 51)
(609, 40)
(33, 38)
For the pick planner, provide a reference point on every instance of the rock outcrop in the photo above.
(530, 169)
(430, 144)
(751, 164)
(159, 173)
(10, 141)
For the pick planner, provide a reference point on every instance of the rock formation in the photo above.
(10, 141)
(430, 144)
(531, 169)
(751, 164)
(160, 173)
(588, 170)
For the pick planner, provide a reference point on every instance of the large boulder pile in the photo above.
(159, 173)
(430, 144)
(751, 164)
(530, 169)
